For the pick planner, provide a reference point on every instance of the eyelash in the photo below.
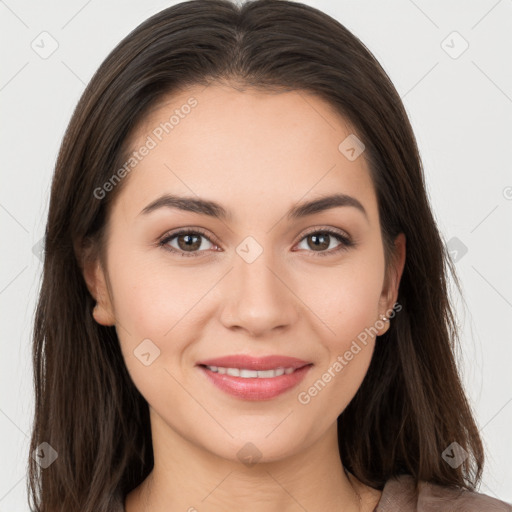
(345, 241)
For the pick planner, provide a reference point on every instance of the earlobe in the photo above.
(383, 324)
(397, 268)
(392, 282)
(103, 315)
(96, 282)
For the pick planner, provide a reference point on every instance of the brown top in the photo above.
(399, 495)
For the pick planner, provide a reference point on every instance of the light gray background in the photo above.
(461, 111)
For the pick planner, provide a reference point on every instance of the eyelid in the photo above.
(324, 229)
(163, 241)
(343, 237)
(346, 241)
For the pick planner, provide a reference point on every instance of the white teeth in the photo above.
(266, 374)
(251, 374)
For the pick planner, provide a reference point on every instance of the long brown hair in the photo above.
(411, 405)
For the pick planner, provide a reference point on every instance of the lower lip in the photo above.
(256, 388)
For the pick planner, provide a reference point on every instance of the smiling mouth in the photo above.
(250, 374)
(249, 384)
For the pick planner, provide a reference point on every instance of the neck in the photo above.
(188, 478)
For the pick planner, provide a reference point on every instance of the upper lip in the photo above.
(255, 363)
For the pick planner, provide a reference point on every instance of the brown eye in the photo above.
(319, 241)
(189, 242)
(185, 242)
(324, 242)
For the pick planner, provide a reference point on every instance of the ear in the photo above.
(394, 272)
(97, 284)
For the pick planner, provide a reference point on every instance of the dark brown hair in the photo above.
(411, 404)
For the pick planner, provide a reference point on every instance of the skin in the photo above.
(257, 153)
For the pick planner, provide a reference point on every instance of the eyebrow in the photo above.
(213, 209)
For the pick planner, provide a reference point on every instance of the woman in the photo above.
(244, 302)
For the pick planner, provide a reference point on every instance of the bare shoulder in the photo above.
(401, 495)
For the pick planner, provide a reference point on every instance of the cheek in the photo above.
(356, 306)
(151, 303)
(346, 297)
(150, 297)
(350, 312)
(156, 300)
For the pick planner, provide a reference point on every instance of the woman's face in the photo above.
(257, 281)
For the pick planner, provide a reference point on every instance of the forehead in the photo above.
(252, 149)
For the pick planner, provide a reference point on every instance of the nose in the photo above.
(258, 296)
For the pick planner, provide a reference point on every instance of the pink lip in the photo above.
(256, 388)
(255, 363)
